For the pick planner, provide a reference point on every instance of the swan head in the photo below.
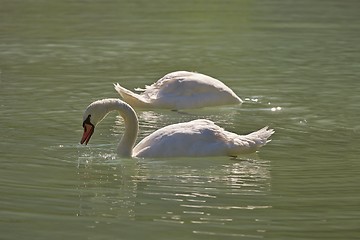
(88, 130)
(99, 109)
(93, 114)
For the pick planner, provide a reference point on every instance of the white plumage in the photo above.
(181, 90)
(190, 139)
(199, 138)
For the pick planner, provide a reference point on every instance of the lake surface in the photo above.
(296, 64)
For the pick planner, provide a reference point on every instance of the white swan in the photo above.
(181, 90)
(190, 139)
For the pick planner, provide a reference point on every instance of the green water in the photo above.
(295, 63)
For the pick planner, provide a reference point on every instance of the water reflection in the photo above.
(107, 189)
(203, 193)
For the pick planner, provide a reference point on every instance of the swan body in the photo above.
(197, 138)
(181, 90)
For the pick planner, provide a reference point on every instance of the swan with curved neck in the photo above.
(181, 90)
(189, 139)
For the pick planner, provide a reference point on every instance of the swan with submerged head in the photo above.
(181, 90)
(197, 138)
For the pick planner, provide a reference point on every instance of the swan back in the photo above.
(181, 90)
(184, 90)
(199, 138)
(190, 139)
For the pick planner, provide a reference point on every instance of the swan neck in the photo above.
(131, 122)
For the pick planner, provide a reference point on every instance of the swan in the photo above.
(197, 138)
(180, 90)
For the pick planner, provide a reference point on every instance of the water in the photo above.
(295, 63)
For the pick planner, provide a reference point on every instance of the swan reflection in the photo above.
(204, 193)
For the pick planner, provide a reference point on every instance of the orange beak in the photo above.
(88, 131)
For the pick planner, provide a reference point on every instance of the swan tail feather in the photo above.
(134, 99)
(252, 142)
(139, 89)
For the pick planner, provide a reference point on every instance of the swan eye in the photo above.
(87, 121)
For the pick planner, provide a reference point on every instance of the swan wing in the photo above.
(182, 89)
(196, 138)
(199, 138)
